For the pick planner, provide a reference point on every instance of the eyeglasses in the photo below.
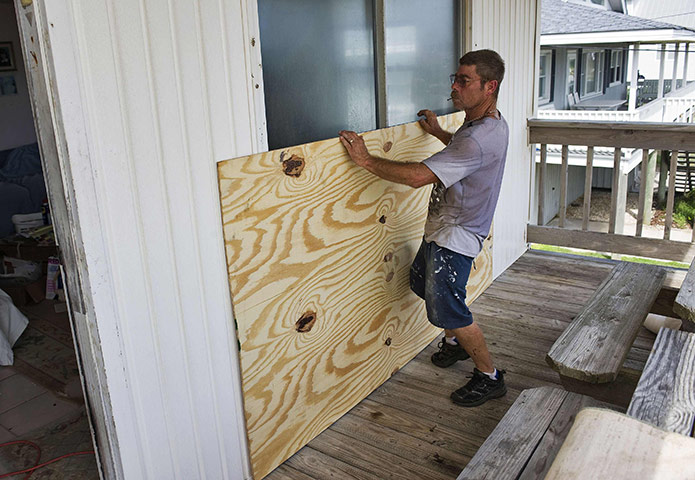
(461, 80)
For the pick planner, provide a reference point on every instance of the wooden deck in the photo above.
(409, 428)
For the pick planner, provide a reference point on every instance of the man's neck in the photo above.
(484, 109)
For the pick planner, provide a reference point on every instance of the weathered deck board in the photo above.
(595, 345)
(415, 401)
(684, 305)
(318, 253)
(665, 394)
(606, 444)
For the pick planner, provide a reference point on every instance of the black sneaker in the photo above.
(449, 354)
(480, 389)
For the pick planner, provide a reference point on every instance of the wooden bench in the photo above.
(665, 394)
(684, 305)
(525, 442)
(530, 435)
(594, 346)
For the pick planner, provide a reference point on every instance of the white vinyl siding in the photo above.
(509, 28)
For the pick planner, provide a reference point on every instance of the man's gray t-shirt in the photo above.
(469, 170)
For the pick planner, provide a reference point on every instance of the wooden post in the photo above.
(563, 186)
(674, 77)
(588, 174)
(541, 183)
(642, 192)
(633, 78)
(670, 199)
(649, 192)
(663, 174)
(662, 64)
(685, 64)
(615, 190)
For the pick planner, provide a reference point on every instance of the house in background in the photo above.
(593, 56)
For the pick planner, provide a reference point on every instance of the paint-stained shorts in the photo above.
(439, 276)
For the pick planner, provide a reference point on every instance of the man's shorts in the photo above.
(439, 276)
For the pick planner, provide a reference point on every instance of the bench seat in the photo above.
(665, 394)
(525, 442)
(594, 346)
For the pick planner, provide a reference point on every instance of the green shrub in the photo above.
(684, 210)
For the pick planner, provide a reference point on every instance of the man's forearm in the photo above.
(413, 174)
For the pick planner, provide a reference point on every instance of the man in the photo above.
(467, 175)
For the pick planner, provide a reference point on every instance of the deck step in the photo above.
(594, 346)
(525, 442)
(665, 394)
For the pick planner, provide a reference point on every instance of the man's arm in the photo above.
(408, 173)
(430, 124)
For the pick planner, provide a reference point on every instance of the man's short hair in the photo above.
(488, 64)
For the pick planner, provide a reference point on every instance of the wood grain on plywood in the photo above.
(318, 254)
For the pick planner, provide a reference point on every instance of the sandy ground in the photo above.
(600, 212)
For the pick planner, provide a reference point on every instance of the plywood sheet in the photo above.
(318, 253)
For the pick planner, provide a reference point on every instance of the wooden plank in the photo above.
(506, 451)
(541, 183)
(615, 191)
(642, 192)
(615, 243)
(607, 444)
(654, 136)
(665, 394)
(539, 463)
(563, 186)
(684, 304)
(588, 175)
(287, 231)
(594, 346)
(671, 196)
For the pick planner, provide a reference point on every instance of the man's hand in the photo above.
(354, 144)
(430, 124)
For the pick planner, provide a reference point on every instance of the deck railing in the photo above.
(670, 138)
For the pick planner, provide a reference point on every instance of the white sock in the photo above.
(493, 375)
(452, 341)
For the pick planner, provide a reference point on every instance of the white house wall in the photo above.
(150, 95)
(510, 29)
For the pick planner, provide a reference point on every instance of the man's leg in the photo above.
(472, 340)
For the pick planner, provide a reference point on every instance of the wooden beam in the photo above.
(665, 394)
(671, 196)
(659, 136)
(563, 186)
(541, 183)
(615, 190)
(588, 175)
(606, 242)
(642, 192)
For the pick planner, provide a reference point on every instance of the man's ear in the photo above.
(491, 87)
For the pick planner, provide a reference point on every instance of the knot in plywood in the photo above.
(292, 166)
(306, 322)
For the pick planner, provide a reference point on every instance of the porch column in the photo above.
(621, 205)
(675, 67)
(662, 64)
(634, 52)
(685, 63)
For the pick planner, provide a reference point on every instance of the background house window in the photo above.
(571, 72)
(592, 72)
(324, 70)
(544, 69)
(616, 74)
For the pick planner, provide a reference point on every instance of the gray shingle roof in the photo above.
(559, 17)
